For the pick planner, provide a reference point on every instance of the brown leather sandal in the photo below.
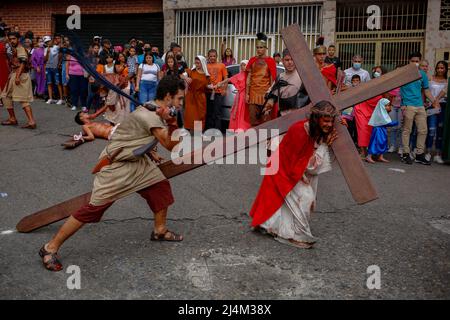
(29, 126)
(9, 123)
(53, 264)
(166, 236)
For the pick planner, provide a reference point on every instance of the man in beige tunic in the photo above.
(128, 173)
(18, 88)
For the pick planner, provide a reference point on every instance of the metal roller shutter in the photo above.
(118, 27)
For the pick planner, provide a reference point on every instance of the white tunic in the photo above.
(291, 221)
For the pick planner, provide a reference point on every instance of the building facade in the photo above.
(404, 26)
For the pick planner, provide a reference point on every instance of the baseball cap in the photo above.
(46, 38)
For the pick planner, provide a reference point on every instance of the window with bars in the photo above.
(402, 31)
(444, 23)
(197, 31)
(352, 15)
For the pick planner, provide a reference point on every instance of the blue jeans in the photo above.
(395, 132)
(147, 90)
(436, 129)
(78, 90)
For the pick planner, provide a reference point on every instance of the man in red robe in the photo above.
(286, 198)
(261, 73)
(328, 71)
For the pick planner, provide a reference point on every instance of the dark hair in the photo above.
(356, 76)
(224, 56)
(276, 54)
(415, 55)
(331, 46)
(109, 55)
(57, 35)
(286, 52)
(14, 34)
(319, 110)
(175, 62)
(174, 45)
(147, 53)
(211, 51)
(169, 85)
(445, 64)
(29, 35)
(123, 54)
(383, 69)
(106, 41)
(78, 119)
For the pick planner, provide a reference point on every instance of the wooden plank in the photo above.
(53, 214)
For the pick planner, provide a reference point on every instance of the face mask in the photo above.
(376, 74)
(356, 66)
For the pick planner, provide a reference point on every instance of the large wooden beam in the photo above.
(355, 174)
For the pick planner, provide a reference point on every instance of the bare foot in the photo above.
(369, 159)
(382, 159)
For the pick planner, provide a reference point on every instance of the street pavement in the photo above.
(406, 232)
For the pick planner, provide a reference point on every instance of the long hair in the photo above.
(445, 64)
(224, 56)
(320, 109)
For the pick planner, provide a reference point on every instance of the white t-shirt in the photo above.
(149, 72)
(350, 72)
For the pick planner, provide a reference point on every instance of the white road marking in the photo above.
(397, 170)
(7, 232)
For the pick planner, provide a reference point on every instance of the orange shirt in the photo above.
(217, 73)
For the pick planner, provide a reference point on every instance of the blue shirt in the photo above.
(140, 58)
(412, 92)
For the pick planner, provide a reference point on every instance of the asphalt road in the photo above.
(406, 232)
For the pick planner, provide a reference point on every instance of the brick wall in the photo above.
(37, 15)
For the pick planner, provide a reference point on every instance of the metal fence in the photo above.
(402, 32)
(197, 31)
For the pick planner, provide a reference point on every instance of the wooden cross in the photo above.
(355, 174)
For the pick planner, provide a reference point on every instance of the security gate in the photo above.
(402, 31)
(197, 31)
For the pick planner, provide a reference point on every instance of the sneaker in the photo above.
(391, 149)
(50, 101)
(428, 156)
(60, 101)
(400, 151)
(406, 158)
(84, 109)
(73, 108)
(420, 158)
(438, 159)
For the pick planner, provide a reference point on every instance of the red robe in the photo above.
(329, 72)
(270, 63)
(362, 113)
(4, 67)
(294, 153)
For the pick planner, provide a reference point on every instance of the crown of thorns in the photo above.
(324, 109)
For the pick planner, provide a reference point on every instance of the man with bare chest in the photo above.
(92, 130)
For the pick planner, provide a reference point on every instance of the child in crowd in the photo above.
(380, 120)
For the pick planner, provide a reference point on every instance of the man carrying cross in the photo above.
(285, 200)
(121, 171)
